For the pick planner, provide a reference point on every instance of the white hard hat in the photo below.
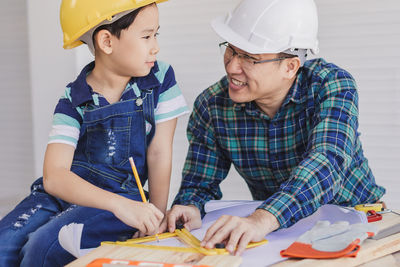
(270, 26)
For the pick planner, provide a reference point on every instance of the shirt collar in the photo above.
(81, 92)
(250, 108)
(297, 93)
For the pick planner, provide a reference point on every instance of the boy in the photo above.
(124, 104)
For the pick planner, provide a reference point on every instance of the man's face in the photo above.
(252, 82)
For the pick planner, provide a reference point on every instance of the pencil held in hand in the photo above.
(139, 184)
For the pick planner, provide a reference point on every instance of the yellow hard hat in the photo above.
(79, 16)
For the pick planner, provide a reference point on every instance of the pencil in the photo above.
(139, 184)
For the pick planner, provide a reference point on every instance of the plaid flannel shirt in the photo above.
(307, 155)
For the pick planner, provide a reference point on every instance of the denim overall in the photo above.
(109, 136)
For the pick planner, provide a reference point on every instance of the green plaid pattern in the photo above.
(308, 155)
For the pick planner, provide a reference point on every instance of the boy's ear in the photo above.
(103, 41)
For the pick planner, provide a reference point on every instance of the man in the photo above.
(288, 126)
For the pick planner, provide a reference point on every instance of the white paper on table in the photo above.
(70, 239)
(70, 235)
(270, 253)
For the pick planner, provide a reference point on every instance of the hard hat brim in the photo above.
(220, 27)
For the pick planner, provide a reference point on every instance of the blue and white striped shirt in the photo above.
(168, 101)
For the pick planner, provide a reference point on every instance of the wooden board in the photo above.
(370, 249)
(144, 254)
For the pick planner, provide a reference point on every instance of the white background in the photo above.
(362, 36)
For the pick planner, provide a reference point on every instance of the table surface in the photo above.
(373, 253)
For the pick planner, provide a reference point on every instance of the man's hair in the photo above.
(117, 26)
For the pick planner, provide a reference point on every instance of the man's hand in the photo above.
(237, 232)
(189, 216)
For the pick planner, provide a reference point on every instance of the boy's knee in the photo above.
(41, 250)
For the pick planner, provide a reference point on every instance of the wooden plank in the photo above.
(387, 260)
(144, 254)
(221, 261)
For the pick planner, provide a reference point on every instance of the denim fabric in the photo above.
(109, 136)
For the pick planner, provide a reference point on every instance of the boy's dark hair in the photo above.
(117, 26)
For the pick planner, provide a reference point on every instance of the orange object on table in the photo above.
(107, 262)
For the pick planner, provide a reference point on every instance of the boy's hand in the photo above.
(143, 216)
(189, 216)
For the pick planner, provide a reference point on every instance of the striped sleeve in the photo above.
(66, 122)
(171, 103)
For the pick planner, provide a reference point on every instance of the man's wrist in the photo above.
(266, 219)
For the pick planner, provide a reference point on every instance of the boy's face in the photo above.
(134, 53)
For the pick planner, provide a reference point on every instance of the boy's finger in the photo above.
(171, 220)
(156, 211)
(136, 234)
(149, 227)
(163, 226)
(155, 225)
(158, 214)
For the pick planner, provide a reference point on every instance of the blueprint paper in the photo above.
(256, 257)
(270, 253)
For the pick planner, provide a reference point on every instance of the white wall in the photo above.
(51, 68)
(190, 45)
(361, 36)
(16, 165)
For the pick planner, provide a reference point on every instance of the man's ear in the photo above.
(291, 66)
(103, 40)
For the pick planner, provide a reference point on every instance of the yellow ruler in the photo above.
(367, 207)
(185, 236)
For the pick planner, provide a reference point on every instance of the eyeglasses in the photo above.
(246, 61)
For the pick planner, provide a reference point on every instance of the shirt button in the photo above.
(275, 124)
(139, 102)
(321, 201)
(293, 220)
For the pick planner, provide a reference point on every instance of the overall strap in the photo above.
(148, 113)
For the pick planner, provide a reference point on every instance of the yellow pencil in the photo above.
(139, 184)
